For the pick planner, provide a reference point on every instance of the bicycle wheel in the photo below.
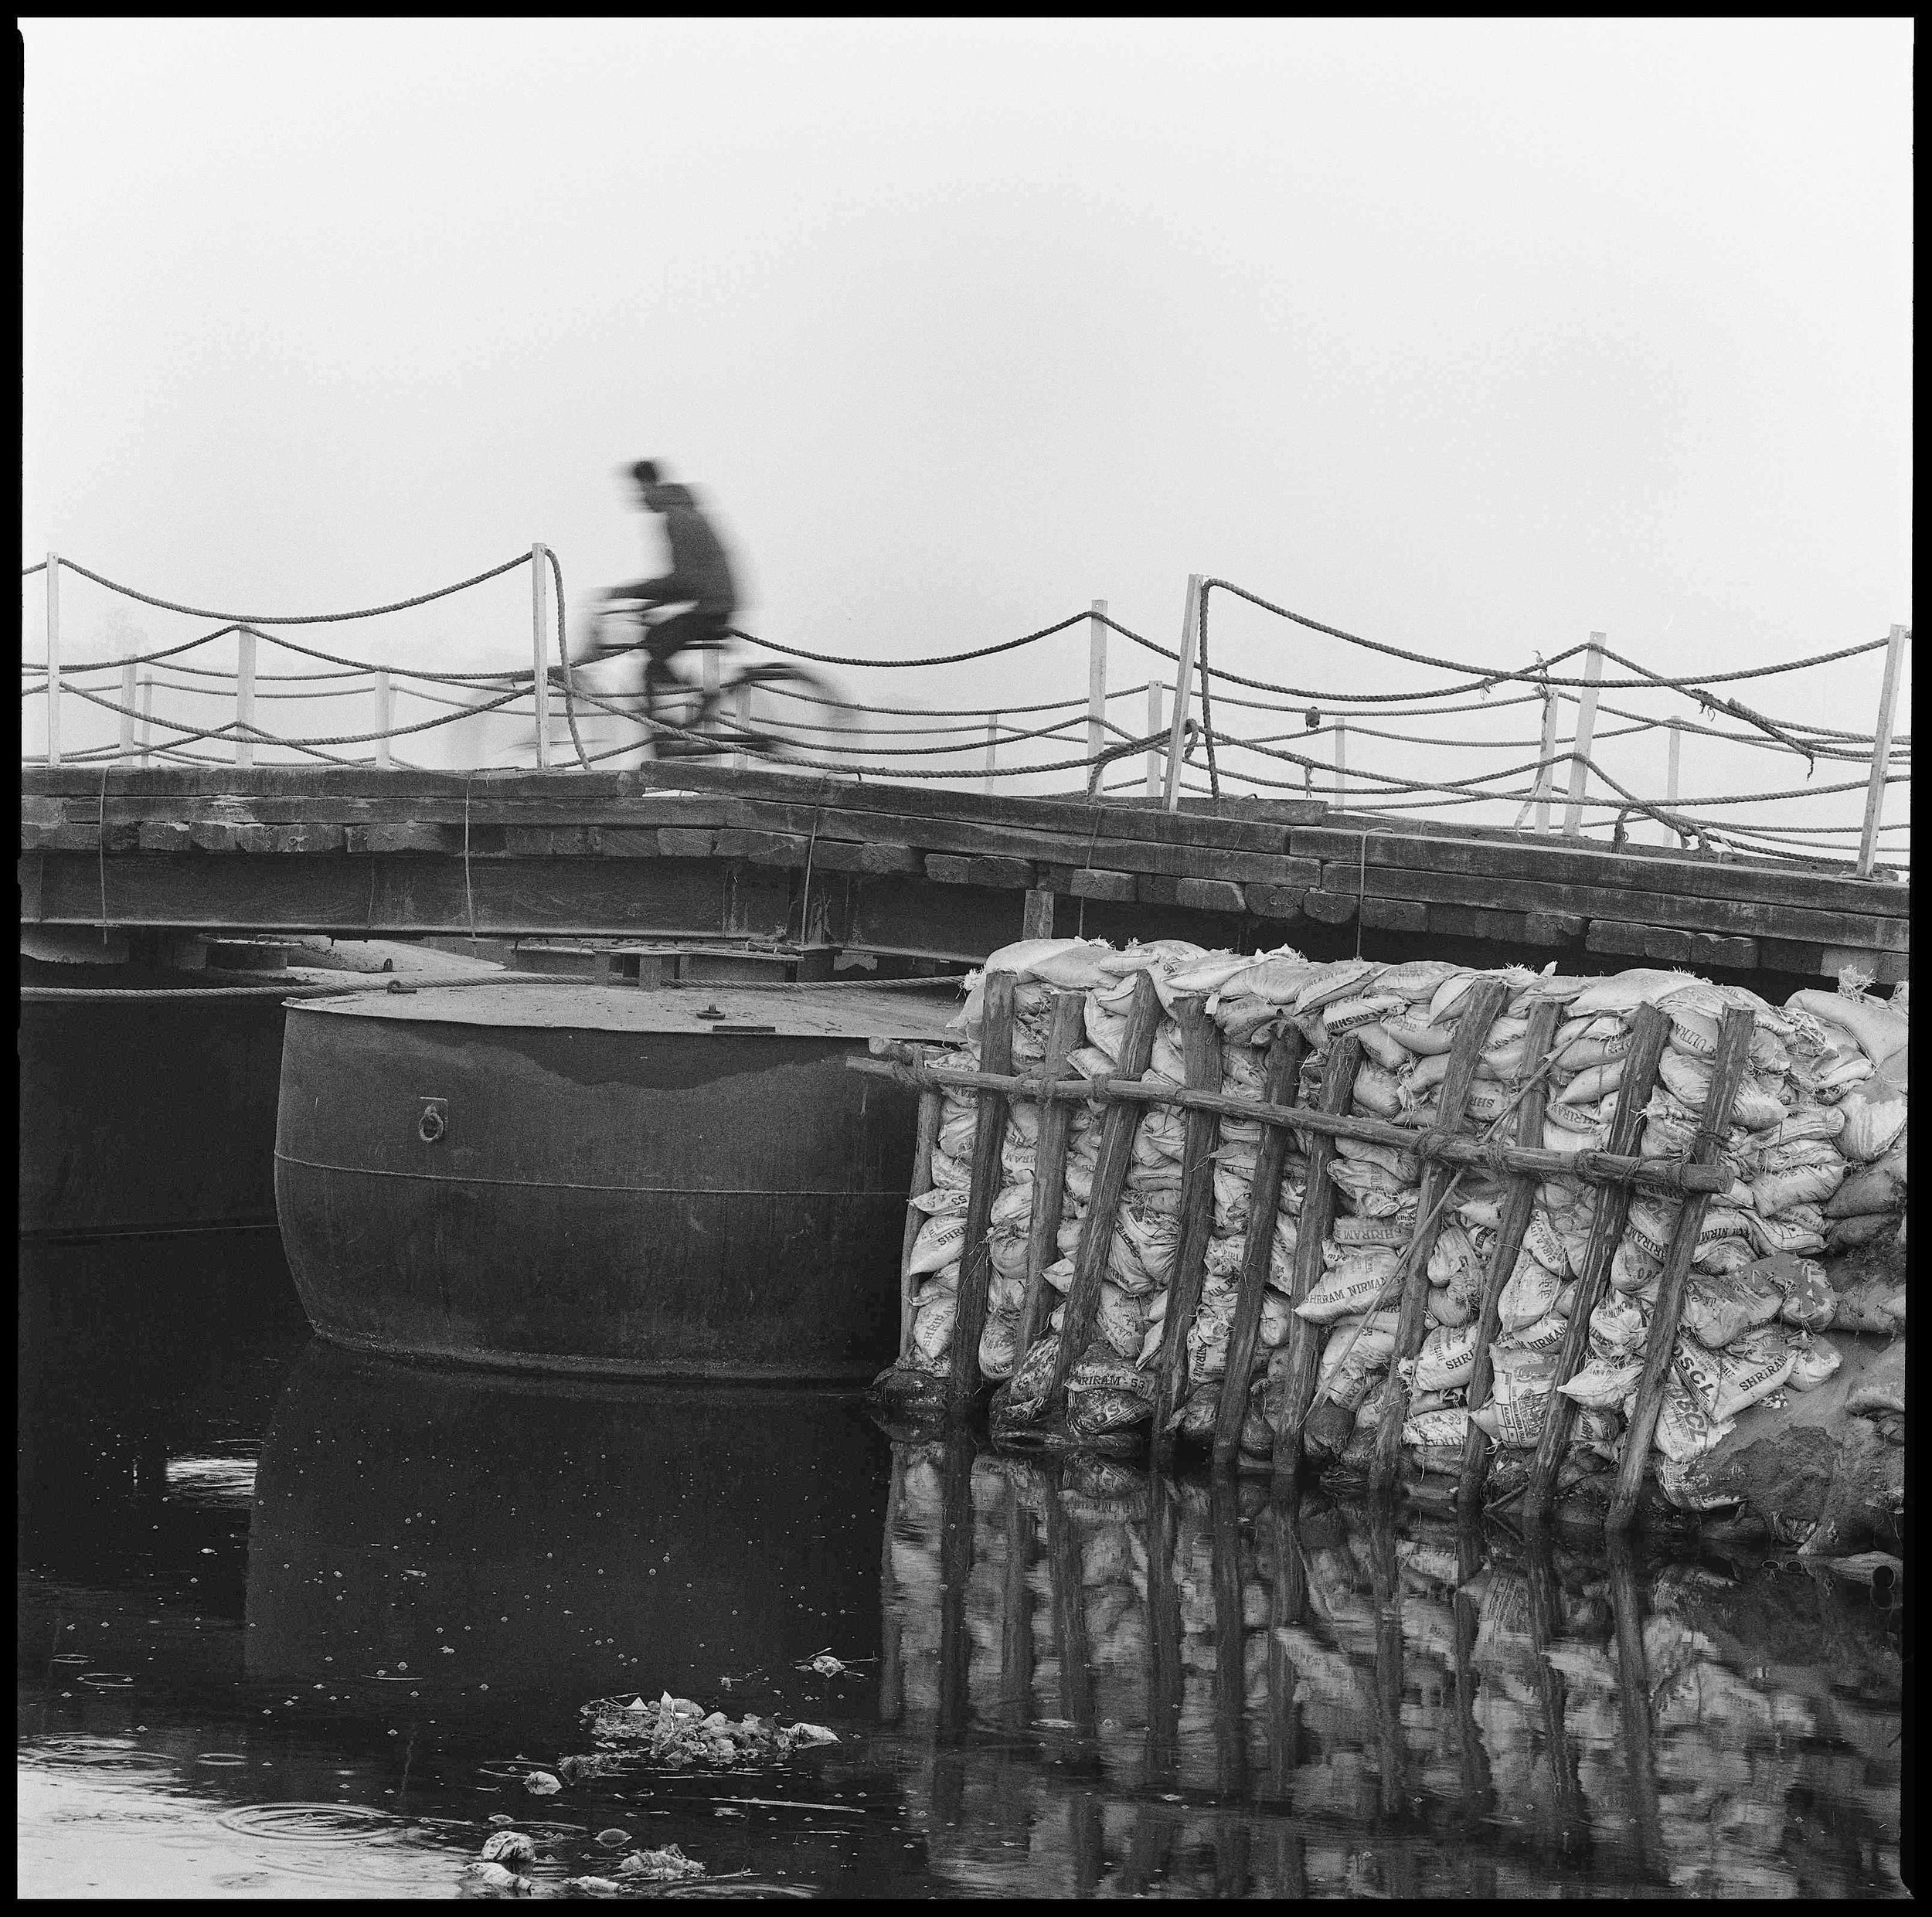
(786, 697)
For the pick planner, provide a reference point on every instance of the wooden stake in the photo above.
(1230, 1640)
(1881, 748)
(1633, 1698)
(989, 1133)
(1280, 1074)
(1036, 915)
(1166, 1675)
(1318, 1208)
(1572, 1821)
(1727, 1073)
(955, 1572)
(1016, 1617)
(1482, 1003)
(930, 1104)
(1503, 1258)
(1650, 1028)
(1122, 1121)
(1201, 1047)
(1586, 727)
(1063, 1037)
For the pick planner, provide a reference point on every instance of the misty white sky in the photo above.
(1469, 337)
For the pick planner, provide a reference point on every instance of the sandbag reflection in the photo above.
(1106, 1681)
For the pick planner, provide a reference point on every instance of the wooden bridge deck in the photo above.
(828, 862)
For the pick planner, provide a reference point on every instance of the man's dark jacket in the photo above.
(699, 570)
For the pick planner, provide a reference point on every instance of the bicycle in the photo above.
(708, 721)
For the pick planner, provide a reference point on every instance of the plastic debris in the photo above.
(541, 1783)
(669, 1865)
(508, 1847)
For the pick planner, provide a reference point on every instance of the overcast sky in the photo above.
(1470, 337)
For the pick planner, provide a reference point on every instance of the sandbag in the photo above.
(1354, 1285)
(1531, 1290)
(1875, 1115)
(940, 1242)
(1870, 1304)
(1448, 1358)
(1604, 1383)
(1685, 1430)
(1813, 1361)
(1729, 1382)
(1879, 1189)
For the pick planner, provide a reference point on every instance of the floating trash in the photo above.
(674, 1732)
(667, 1866)
(508, 1847)
(613, 1839)
(540, 1783)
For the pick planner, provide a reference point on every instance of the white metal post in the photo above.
(992, 733)
(1153, 731)
(1586, 726)
(244, 696)
(1183, 689)
(1546, 752)
(1671, 769)
(741, 699)
(1881, 751)
(1097, 680)
(53, 658)
(128, 710)
(385, 718)
(1340, 758)
(147, 717)
(540, 655)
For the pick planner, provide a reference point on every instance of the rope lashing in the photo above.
(296, 618)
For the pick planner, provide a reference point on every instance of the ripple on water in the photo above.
(334, 1840)
(95, 1753)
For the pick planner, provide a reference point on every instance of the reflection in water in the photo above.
(267, 1585)
(1118, 1684)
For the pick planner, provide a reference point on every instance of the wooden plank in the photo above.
(928, 1135)
(1553, 928)
(1278, 902)
(1089, 883)
(1318, 1208)
(1065, 1036)
(1727, 1072)
(989, 1133)
(1122, 1121)
(1515, 1220)
(1280, 1075)
(1482, 1002)
(1650, 1030)
(1477, 921)
(1662, 870)
(29, 870)
(1036, 916)
(1331, 907)
(1200, 1049)
(1735, 917)
(1394, 915)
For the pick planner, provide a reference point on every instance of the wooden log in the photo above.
(930, 1104)
(1036, 916)
(1165, 1676)
(1122, 1121)
(955, 1572)
(1064, 1036)
(1483, 999)
(1070, 1642)
(892, 1060)
(1281, 1074)
(1386, 1584)
(989, 1133)
(1478, 1787)
(1201, 1047)
(1514, 1222)
(1230, 1640)
(1633, 1700)
(1318, 1208)
(1016, 1618)
(1649, 1029)
(1727, 1073)
(1572, 1821)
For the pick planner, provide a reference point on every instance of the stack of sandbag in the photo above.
(1853, 1061)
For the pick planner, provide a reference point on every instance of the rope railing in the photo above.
(848, 739)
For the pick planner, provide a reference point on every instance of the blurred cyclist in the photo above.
(699, 580)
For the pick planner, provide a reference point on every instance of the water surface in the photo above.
(294, 1623)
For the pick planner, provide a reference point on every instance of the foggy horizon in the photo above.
(1469, 338)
